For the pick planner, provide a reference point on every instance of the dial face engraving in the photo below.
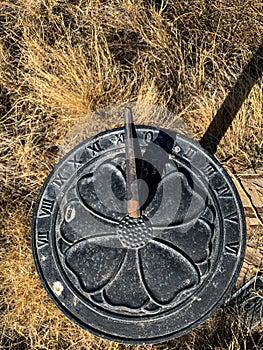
(141, 279)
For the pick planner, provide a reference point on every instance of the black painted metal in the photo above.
(146, 279)
(247, 302)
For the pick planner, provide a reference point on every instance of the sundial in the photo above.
(138, 234)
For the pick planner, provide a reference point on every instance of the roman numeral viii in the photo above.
(46, 207)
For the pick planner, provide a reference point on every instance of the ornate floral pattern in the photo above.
(170, 261)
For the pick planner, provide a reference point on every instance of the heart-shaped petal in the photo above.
(79, 223)
(166, 271)
(104, 191)
(177, 202)
(127, 288)
(195, 242)
(95, 261)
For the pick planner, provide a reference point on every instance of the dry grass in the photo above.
(61, 60)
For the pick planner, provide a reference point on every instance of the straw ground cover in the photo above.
(61, 60)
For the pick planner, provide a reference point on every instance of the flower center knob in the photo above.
(134, 232)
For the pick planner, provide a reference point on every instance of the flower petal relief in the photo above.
(145, 263)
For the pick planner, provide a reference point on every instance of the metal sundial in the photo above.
(138, 234)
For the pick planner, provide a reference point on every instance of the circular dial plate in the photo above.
(145, 279)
